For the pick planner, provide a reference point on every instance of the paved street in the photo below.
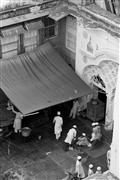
(46, 159)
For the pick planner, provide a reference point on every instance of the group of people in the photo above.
(71, 139)
(79, 170)
(72, 134)
(58, 123)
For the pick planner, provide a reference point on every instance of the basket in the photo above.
(26, 131)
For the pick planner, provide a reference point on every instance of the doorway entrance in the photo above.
(103, 98)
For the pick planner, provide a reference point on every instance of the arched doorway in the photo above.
(103, 76)
(103, 98)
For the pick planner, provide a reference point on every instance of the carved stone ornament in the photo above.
(80, 21)
(98, 80)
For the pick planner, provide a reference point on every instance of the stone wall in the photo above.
(97, 60)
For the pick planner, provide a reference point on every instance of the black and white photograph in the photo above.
(59, 89)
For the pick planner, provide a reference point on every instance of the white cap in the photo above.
(93, 124)
(1, 129)
(58, 113)
(90, 166)
(79, 158)
(99, 168)
(83, 134)
(74, 126)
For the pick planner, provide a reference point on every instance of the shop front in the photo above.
(40, 79)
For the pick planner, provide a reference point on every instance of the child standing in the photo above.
(90, 170)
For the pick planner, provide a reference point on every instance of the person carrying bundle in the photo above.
(83, 141)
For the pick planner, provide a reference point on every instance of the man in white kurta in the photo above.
(58, 120)
(71, 135)
(79, 168)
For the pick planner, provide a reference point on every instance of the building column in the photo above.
(115, 146)
(109, 112)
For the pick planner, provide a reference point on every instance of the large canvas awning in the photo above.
(40, 79)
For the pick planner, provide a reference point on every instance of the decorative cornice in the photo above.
(93, 17)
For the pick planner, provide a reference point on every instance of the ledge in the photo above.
(95, 15)
(102, 14)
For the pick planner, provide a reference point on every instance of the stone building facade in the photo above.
(97, 60)
(86, 35)
(91, 47)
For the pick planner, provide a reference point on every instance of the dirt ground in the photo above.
(45, 158)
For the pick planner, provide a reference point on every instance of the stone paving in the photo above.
(43, 159)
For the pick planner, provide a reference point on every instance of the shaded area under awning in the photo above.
(40, 79)
(6, 117)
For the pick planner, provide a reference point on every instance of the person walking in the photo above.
(71, 136)
(79, 168)
(74, 109)
(58, 121)
(90, 170)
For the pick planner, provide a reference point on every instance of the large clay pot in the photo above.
(26, 131)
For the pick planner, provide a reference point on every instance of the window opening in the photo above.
(21, 48)
(50, 27)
